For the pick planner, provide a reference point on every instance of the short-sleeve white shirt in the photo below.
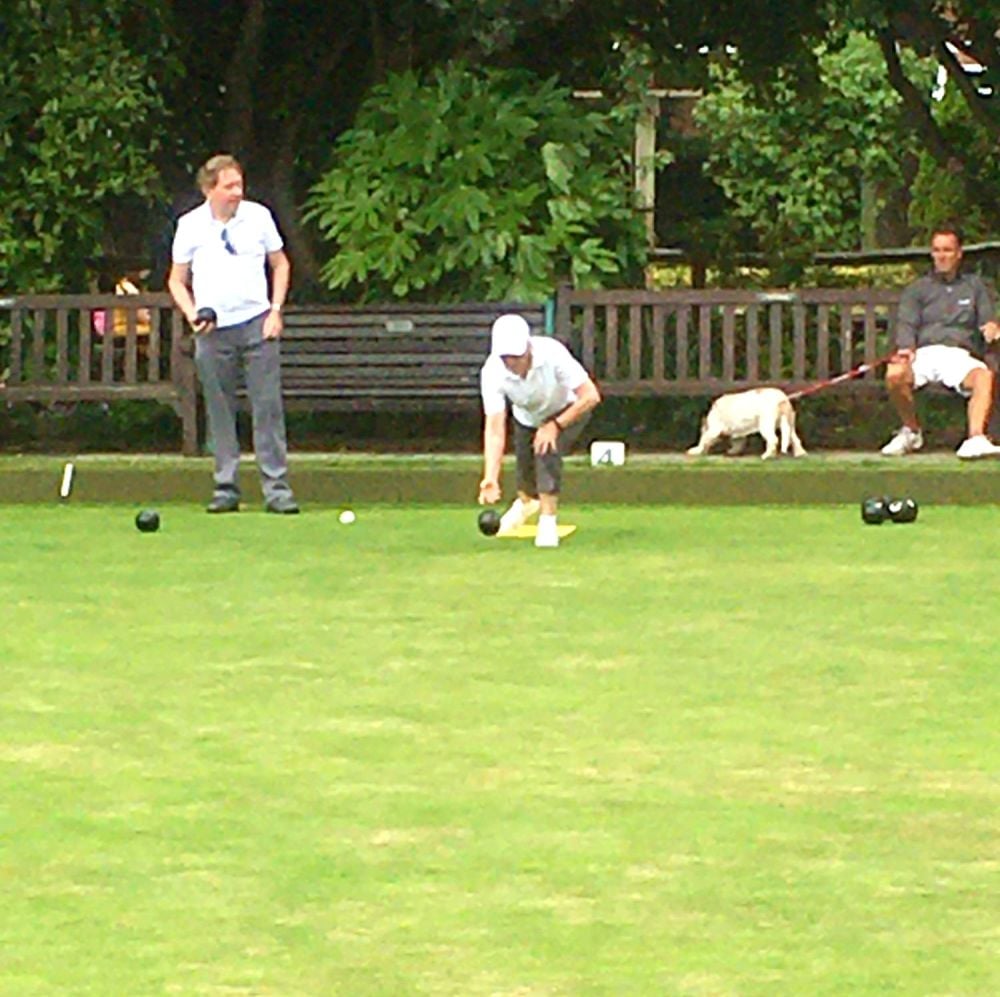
(234, 283)
(549, 387)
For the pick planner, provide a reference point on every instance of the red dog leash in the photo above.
(848, 376)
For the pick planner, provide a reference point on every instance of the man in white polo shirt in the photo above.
(221, 253)
(551, 397)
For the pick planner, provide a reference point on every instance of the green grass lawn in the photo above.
(694, 751)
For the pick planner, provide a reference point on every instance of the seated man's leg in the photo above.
(979, 385)
(969, 376)
(900, 383)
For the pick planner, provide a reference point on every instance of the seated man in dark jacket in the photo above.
(945, 321)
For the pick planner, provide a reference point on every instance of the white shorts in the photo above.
(947, 365)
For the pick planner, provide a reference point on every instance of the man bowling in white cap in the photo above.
(551, 397)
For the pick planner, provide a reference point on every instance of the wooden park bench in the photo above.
(706, 342)
(52, 350)
(341, 357)
(405, 357)
(401, 357)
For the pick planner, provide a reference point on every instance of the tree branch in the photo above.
(967, 87)
(915, 108)
(927, 128)
(980, 33)
(936, 34)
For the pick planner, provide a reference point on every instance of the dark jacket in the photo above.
(935, 310)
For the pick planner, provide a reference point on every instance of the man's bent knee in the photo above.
(979, 380)
(898, 374)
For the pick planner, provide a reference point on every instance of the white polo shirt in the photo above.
(233, 281)
(549, 387)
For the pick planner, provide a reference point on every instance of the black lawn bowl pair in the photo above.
(876, 510)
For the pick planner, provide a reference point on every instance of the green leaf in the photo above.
(557, 166)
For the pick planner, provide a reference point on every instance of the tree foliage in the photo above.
(959, 141)
(476, 184)
(81, 116)
(793, 166)
(91, 87)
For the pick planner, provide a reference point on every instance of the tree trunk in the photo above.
(305, 265)
(282, 177)
(378, 42)
(238, 137)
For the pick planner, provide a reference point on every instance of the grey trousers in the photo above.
(542, 473)
(221, 357)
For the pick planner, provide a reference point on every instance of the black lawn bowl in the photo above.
(206, 316)
(903, 510)
(147, 521)
(874, 510)
(489, 522)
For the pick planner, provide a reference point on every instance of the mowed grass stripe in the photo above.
(693, 751)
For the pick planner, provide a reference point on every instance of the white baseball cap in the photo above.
(510, 335)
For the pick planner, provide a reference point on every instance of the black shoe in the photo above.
(283, 507)
(223, 503)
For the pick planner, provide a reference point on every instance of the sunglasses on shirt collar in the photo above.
(230, 248)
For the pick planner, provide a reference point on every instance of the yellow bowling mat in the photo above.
(528, 532)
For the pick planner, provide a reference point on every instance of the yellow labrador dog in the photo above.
(767, 411)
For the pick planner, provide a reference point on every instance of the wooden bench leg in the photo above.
(189, 427)
(187, 405)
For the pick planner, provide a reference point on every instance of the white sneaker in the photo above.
(518, 514)
(548, 534)
(905, 441)
(975, 447)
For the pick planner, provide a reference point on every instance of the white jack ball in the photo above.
(347, 517)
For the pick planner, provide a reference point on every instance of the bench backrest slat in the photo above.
(776, 341)
(84, 335)
(153, 346)
(38, 344)
(753, 342)
(62, 345)
(16, 347)
(704, 342)
(683, 321)
(823, 342)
